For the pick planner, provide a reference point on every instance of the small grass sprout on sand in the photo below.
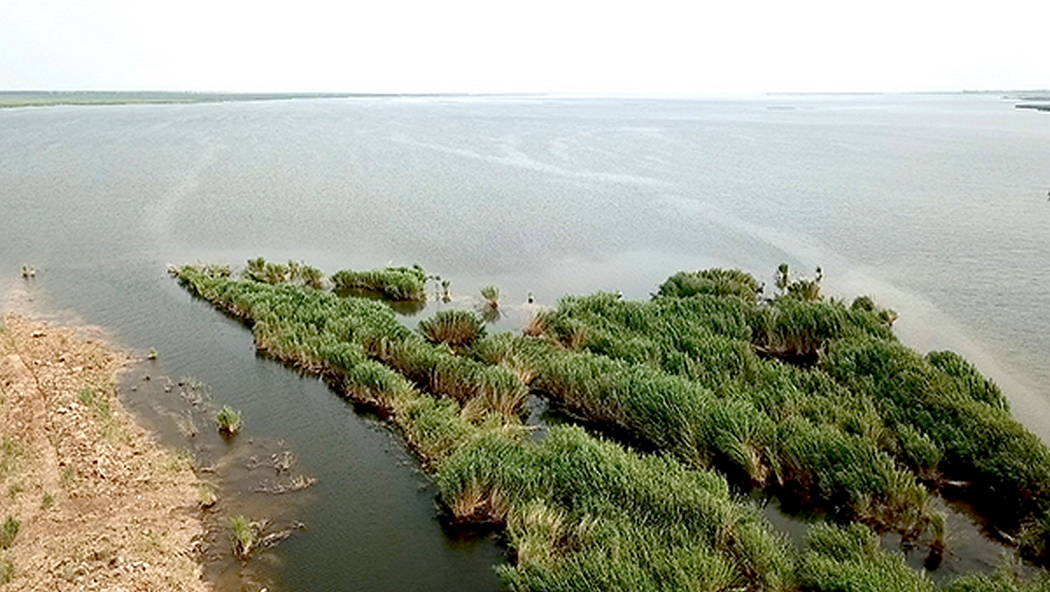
(229, 420)
(8, 532)
(244, 535)
(7, 571)
(206, 496)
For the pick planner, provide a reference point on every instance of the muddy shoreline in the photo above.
(97, 503)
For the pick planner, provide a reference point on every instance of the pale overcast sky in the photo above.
(564, 46)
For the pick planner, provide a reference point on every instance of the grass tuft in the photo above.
(491, 296)
(244, 533)
(8, 532)
(456, 328)
(229, 420)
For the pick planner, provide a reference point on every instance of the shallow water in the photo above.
(936, 205)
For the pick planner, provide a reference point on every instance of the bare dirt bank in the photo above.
(89, 501)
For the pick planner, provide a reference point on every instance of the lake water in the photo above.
(934, 204)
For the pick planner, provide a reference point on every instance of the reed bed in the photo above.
(706, 377)
(395, 283)
(811, 398)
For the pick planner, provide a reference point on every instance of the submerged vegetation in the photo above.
(809, 399)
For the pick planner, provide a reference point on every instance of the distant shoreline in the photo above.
(10, 99)
(18, 99)
(1035, 106)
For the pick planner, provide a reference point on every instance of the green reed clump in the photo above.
(1006, 578)
(457, 328)
(243, 534)
(852, 558)
(963, 419)
(834, 469)
(517, 353)
(394, 283)
(967, 380)
(229, 420)
(711, 342)
(585, 514)
(796, 328)
(490, 294)
(498, 391)
(820, 465)
(716, 282)
(8, 532)
(261, 270)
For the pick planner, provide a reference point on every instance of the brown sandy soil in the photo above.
(98, 504)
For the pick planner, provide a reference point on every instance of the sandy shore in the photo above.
(89, 501)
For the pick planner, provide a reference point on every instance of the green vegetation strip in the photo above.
(810, 399)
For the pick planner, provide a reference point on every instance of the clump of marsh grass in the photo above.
(851, 558)
(457, 328)
(497, 390)
(716, 282)
(394, 283)
(802, 288)
(8, 532)
(28, 271)
(206, 496)
(299, 271)
(229, 420)
(490, 294)
(490, 311)
(218, 269)
(244, 534)
(266, 272)
(535, 326)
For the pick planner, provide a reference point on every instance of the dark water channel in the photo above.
(369, 522)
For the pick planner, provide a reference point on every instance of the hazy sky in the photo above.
(644, 46)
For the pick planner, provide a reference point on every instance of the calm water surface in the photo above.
(936, 205)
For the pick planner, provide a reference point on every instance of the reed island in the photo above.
(681, 411)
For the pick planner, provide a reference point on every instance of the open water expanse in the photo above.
(936, 205)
